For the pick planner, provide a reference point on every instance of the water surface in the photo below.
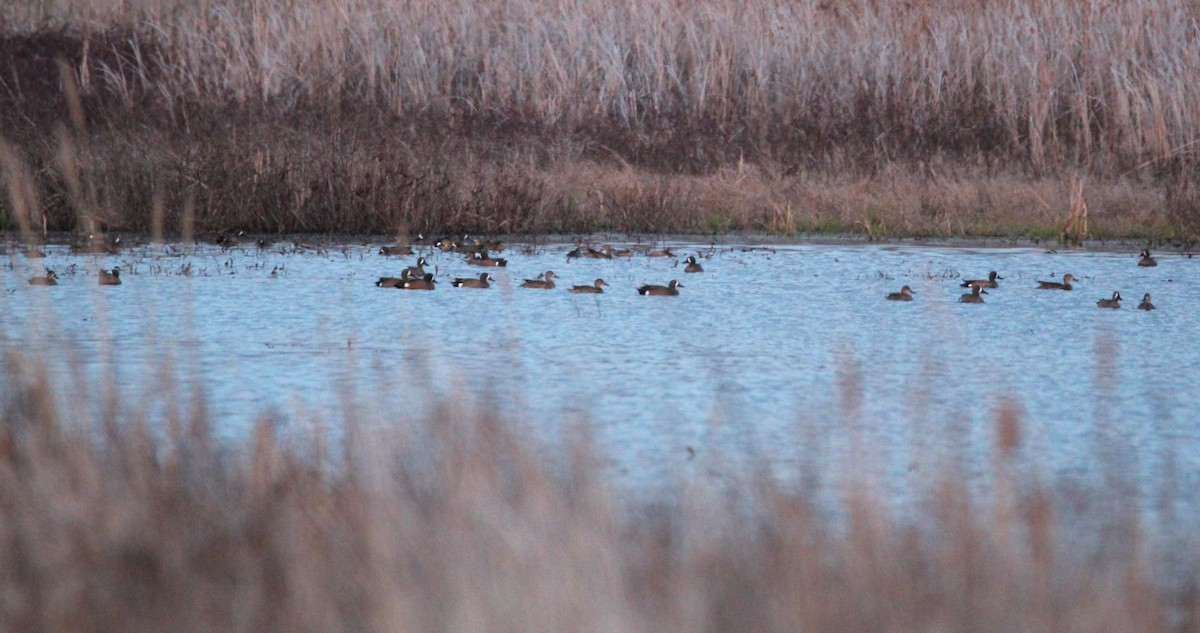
(788, 351)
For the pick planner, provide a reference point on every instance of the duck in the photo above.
(225, 240)
(545, 283)
(421, 240)
(399, 249)
(481, 258)
(49, 279)
(1115, 302)
(905, 294)
(264, 243)
(84, 244)
(990, 282)
(608, 250)
(662, 252)
(492, 245)
(393, 282)
(481, 282)
(1054, 285)
(424, 283)
(593, 289)
(110, 277)
(1147, 260)
(1145, 304)
(692, 265)
(465, 245)
(414, 271)
(97, 244)
(975, 296)
(592, 253)
(670, 289)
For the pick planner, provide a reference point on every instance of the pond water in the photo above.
(789, 352)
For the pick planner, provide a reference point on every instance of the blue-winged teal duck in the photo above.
(1146, 259)
(424, 283)
(1054, 285)
(97, 244)
(546, 282)
(84, 244)
(399, 249)
(481, 282)
(110, 277)
(593, 289)
(421, 240)
(692, 265)
(975, 295)
(1145, 304)
(990, 282)
(225, 240)
(662, 252)
(592, 253)
(491, 245)
(415, 271)
(392, 282)
(49, 279)
(481, 258)
(905, 294)
(466, 245)
(469, 247)
(608, 250)
(670, 289)
(1115, 302)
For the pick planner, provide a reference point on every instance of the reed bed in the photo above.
(116, 518)
(305, 115)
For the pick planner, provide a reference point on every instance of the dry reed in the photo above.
(131, 522)
(301, 115)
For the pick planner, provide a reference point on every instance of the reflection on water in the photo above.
(790, 352)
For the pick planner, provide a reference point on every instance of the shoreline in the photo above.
(11, 241)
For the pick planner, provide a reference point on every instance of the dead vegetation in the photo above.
(928, 118)
(116, 518)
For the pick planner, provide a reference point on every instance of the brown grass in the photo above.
(920, 118)
(118, 520)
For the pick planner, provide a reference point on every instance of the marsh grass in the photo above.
(577, 115)
(117, 517)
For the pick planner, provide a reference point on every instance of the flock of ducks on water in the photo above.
(415, 277)
(111, 277)
(478, 253)
(978, 286)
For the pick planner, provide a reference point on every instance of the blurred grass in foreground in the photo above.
(126, 522)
